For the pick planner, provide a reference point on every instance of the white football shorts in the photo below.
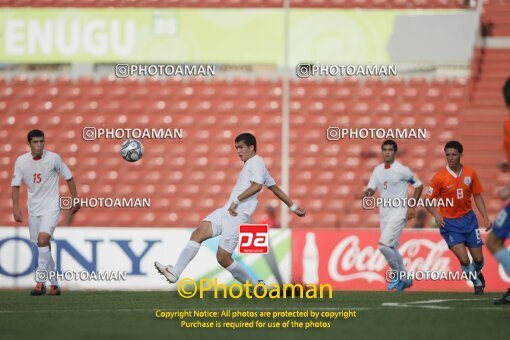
(391, 230)
(227, 226)
(43, 224)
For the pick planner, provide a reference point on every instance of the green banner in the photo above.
(141, 35)
(224, 36)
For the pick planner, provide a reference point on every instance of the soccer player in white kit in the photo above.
(392, 179)
(40, 171)
(225, 221)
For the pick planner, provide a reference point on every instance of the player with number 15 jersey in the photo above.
(40, 170)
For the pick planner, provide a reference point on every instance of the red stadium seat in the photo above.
(432, 94)
(6, 93)
(321, 171)
(410, 93)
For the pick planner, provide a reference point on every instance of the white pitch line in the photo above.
(427, 304)
(445, 300)
(406, 305)
(324, 309)
(137, 310)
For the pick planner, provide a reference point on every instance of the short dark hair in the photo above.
(390, 142)
(506, 92)
(33, 134)
(453, 144)
(248, 139)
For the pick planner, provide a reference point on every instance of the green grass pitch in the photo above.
(131, 315)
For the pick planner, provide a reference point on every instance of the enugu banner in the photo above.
(349, 259)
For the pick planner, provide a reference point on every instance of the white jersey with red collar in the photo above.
(254, 171)
(393, 181)
(41, 178)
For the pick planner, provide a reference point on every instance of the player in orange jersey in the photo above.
(459, 225)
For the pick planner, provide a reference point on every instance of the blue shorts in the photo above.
(462, 230)
(501, 226)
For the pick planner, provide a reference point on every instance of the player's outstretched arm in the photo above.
(16, 211)
(286, 199)
(480, 204)
(252, 190)
(74, 193)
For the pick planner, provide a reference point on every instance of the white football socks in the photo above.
(43, 261)
(400, 260)
(239, 273)
(187, 254)
(390, 256)
(52, 268)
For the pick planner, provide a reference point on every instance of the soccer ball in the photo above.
(131, 150)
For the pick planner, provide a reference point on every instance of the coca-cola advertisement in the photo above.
(349, 259)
